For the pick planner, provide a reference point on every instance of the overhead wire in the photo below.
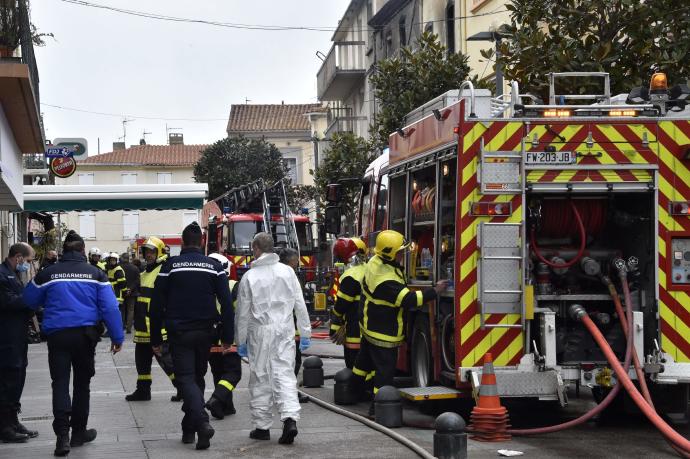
(264, 27)
(127, 115)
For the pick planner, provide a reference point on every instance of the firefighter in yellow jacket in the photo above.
(382, 314)
(116, 277)
(152, 251)
(225, 367)
(352, 251)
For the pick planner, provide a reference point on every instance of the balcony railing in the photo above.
(27, 45)
(344, 65)
(342, 119)
(37, 161)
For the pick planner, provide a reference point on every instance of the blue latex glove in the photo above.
(304, 344)
(242, 350)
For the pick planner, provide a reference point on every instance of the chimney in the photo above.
(175, 138)
(119, 146)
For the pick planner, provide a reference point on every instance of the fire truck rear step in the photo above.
(544, 385)
(417, 394)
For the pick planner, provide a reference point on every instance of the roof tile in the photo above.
(270, 117)
(151, 155)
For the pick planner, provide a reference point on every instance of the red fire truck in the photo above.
(532, 209)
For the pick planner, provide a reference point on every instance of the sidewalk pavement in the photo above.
(139, 430)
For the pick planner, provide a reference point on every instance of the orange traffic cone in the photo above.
(489, 420)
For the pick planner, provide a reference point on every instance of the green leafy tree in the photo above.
(235, 161)
(623, 37)
(414, 77)
(347, 157)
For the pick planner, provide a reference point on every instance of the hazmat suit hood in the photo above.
(266, 259)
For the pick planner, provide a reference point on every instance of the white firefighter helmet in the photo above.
(114, 255)
(222, 260)
(94, 251)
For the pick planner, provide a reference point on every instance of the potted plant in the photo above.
(9, 27)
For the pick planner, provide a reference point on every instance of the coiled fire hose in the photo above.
(580, 252)
(577, 312)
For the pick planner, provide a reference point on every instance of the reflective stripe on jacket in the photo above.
(116, 277)
(386, 297)
(142, 318)
(347, 305)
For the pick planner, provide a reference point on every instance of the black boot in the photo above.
(142, 392)
(188, 436)
(62, 445)
(260, 434)
(79, 437)
(215, 407)
(204, 435)
(303, 398)
(229, 407)
(21, 428)
(289, 432)
(8, 433)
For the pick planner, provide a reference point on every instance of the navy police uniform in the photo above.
(184, 299)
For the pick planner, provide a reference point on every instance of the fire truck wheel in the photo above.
(420, 355)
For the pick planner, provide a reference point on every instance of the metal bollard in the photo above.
(450, 439)
(388, 407)
(312, 375)
(343, 394)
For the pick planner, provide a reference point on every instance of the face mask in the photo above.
(23, 267)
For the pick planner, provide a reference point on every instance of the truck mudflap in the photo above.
(525, 380)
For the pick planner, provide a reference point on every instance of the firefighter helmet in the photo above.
(344, 249)
(94, 251)
(222, 260)
(362, 248)
(389, 243)
(155, 244)
(114, 255)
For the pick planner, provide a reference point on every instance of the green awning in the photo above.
(69, 198)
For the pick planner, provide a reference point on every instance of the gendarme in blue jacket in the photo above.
(185, 293)
(74, 294)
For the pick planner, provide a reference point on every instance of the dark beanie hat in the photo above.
(191, 229)
(73, 236)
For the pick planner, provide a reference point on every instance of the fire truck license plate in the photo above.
(550, 157)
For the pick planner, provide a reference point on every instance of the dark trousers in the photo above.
(71, 349)
(381, 360)
(129, 303)
(298, 358)
(190, 352)
(227, 372)
(143, 358)
(350, 356)
(13, 375)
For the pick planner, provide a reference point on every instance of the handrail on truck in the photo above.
(468, 84)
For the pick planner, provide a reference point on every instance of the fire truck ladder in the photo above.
(277, 210)
(500, 262)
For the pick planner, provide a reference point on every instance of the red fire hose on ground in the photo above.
(578, 312)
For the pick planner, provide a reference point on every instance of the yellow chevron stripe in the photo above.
(473, 135)
(488, 341)
(497, 142)
(678, 167)
(515, 347)
(622, 144)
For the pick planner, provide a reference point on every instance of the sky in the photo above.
(109, 62)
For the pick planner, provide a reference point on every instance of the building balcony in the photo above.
(342, 119)
(343, 68)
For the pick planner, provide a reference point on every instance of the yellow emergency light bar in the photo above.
(556, 113)
(623, 113)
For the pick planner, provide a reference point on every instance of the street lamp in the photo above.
(496, 37)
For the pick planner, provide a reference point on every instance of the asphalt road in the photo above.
(152, 429)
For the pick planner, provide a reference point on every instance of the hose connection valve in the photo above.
(576, 312)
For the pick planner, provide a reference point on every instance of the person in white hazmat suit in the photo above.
(265, 333)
